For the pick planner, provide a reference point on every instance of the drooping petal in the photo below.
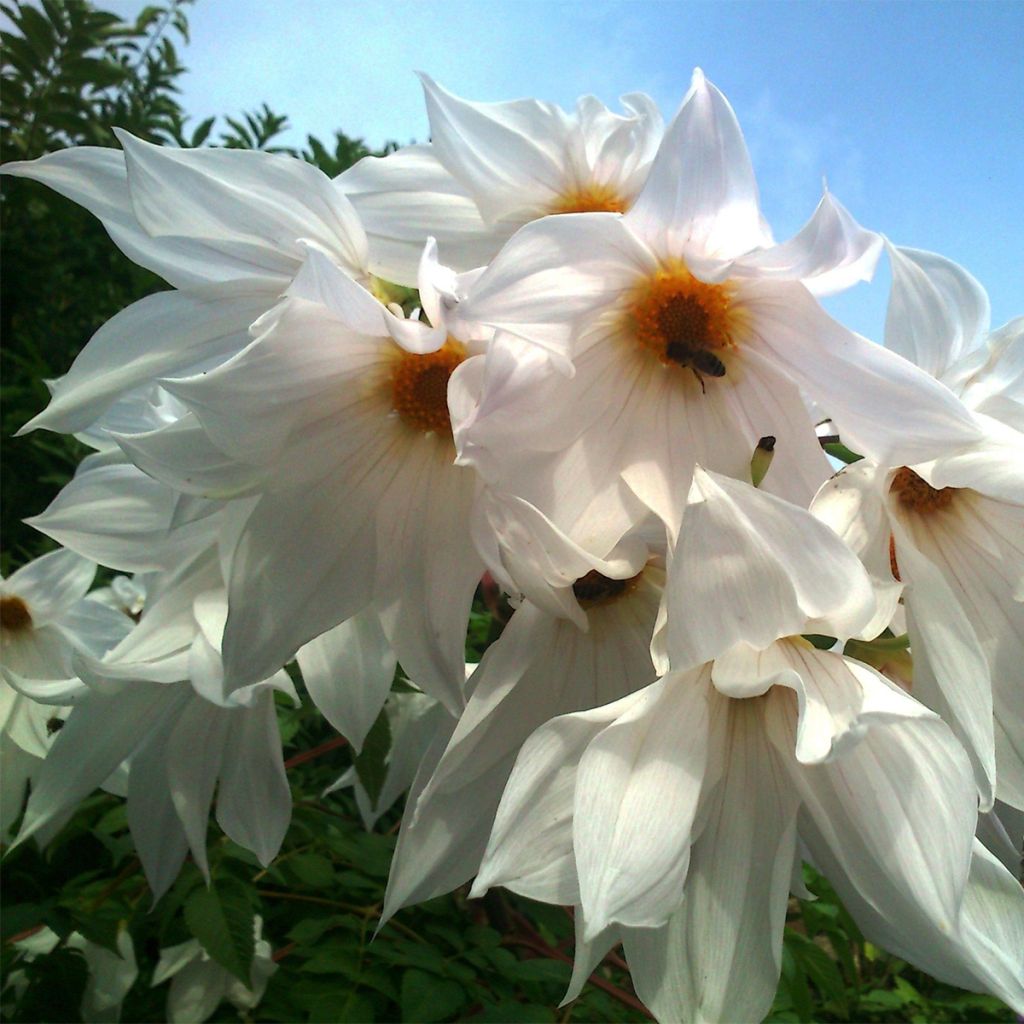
(531, 847)
(897, 810)
(348, 672)
(637, 790)
(718, 957)
(254, 802)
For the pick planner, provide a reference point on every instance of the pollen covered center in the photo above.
(14, 614)
(686, 322)
(917, 494)
(590, 199)
(594, 589)
(419, 387)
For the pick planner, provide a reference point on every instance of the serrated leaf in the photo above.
(371, 764)
(426, 997)
(222, 919)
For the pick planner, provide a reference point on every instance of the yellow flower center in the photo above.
(917, 494)
(14, 614)
(594, 589)
(419, 387)
(590, 199)
(686, 322)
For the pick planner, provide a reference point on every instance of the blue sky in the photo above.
(912, 111)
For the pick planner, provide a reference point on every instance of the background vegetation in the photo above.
(71, 71)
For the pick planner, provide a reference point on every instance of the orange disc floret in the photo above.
(14, 614)
(590, 199)
(419, 387)
(917, 495)
(673, 314)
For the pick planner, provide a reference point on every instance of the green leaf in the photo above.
(371, 764)
(425, 997)
(202, 132)
(222, 919)
(313, 869)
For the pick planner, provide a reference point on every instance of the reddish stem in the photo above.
(309, 755)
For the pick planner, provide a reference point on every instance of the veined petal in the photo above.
(254, 802)
(96, 178)
(151, 338)
(937, 311)
(119, 516)
(279, 596)
(701, 194)
(554, 271)
(506, 155)
(718, 957)
(531, 846)
(951, 673)
(247, 208)
(97, 736)
(750, 568)
(870, 392)
(156, 830)
(637, 789)
(408, 195)
(898, 811)
(830, 253)
(348, 672)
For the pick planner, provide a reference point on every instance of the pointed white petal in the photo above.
(830, 253)
(407, 196)
(637, 789)
(898, 810)
(937, 311)
(751, 568)
(700, 193)
(870, 392)
(719, 956)
(156, 336)
(52, 584)
(254, 802)
(247, 209)
(348, 672)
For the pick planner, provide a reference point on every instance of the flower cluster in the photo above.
(613, 395)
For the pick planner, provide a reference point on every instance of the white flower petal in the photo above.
(830, 253)
(246, 208)
(50, 585)
(407, 196)
(719, 956)
(254, 801)
(348, 672)
(637, 789)
(158, 335)
(750, 568)
(700, 193)
(870, 392)
(937, 311)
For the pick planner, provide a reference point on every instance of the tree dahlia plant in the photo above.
(603, 416)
